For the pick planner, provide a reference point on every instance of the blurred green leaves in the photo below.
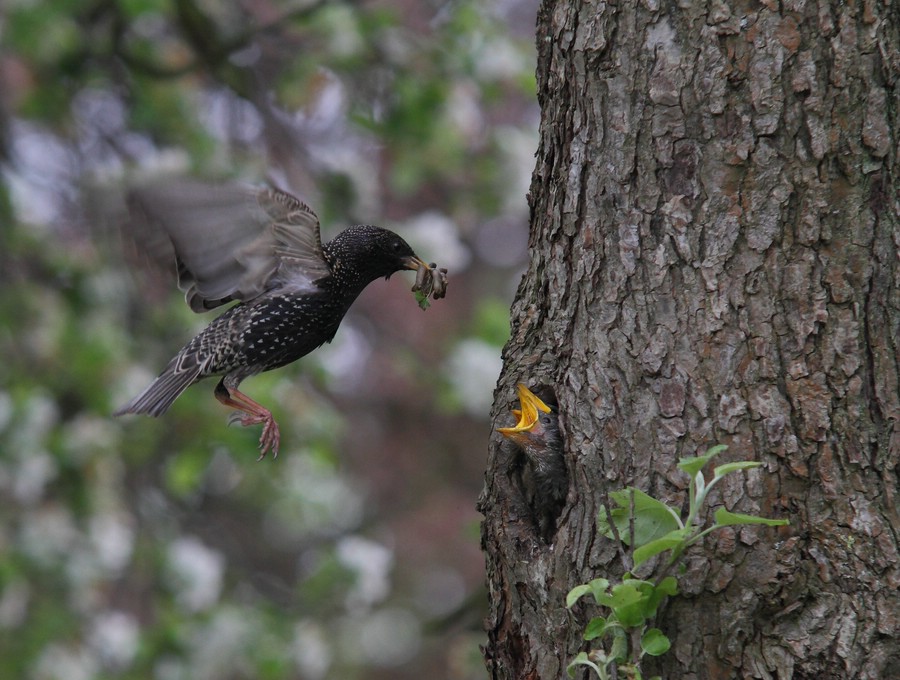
(379, 113)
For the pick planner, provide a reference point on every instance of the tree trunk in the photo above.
(714, 259)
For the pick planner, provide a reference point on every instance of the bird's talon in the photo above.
(239, 418)
(270, 439)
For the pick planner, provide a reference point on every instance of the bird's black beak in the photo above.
(527, 415)
(413, 262)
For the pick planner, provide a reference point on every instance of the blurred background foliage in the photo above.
(142, 548)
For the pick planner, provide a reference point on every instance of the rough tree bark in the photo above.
(714, 259)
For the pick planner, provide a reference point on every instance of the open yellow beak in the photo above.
(528, 413)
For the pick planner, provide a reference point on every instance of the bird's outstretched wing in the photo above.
(230, 241)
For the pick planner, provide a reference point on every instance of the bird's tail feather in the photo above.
(162, 392)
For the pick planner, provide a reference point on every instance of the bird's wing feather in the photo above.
(298, 240)
(230, 241)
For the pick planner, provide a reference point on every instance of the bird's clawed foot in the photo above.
(248, 412)
(270, 439)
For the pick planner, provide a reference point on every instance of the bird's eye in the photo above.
(395, 246)
(545, 419)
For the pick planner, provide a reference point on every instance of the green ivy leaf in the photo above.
(725, 518)
(654, 643)
(693, 465)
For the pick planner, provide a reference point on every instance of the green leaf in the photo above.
(722, 470)
(724, 518)
(667, 587)
(654, 643)
(618, 650)
(422, 300)
(671, 540)
(651, 596)
(576, 593)
(595, 628)
(622, 595)
(597, 587)
(693, 465)
(582, 660)
(628, 604)
(632, 615)
(652, 518)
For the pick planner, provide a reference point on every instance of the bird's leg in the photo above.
(250, 412)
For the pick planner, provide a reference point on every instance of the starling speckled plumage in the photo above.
(537, 435)
(262, 248)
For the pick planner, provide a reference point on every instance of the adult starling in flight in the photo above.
(262, 248)
(537, 435)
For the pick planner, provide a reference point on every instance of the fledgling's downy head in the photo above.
(537, 427)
